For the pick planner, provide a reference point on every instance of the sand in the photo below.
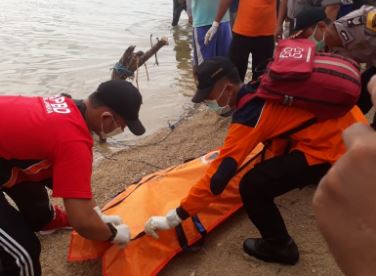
(222, 253)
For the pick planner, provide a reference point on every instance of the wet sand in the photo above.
(222, 253)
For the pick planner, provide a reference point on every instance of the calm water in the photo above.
(54, 46)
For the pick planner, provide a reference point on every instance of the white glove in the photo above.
(211, 32)
(116, 220)
(161, 223)
(123, 235)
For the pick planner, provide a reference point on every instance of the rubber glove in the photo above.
(161, 223)
(211, 32)
(116, 220)
(123, 235)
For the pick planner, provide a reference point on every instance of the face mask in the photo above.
(220, 110)
(116, 131)
(320, 44)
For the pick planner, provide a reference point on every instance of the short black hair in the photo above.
(94, 100)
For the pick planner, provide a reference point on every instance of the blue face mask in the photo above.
(220, 110)
(320, 44)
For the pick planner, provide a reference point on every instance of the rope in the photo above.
(171, 126)
(147, 72)
(122, 71)
(137, 60)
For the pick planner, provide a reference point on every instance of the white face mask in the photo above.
(220, 110)
(103, 135)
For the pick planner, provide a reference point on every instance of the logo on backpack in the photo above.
(325, 84)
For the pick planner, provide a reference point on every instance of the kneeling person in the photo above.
(48, 142)
(313, 150)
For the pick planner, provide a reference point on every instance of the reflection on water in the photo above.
(54, 46)
(183, 47)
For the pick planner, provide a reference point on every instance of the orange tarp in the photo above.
(156, 194)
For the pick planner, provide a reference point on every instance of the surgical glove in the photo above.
(116, 220)
(123, 235)
(162, 223)
(211, 32)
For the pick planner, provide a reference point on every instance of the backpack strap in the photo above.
(286, 136)
(245, 99)
(288, 133)
(249, 96)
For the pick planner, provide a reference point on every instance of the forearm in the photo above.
(224, 5)
(282, 13)
(85, 220)
(189, 7)
(331, 11)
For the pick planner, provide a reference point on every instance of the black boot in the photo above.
(285, 252)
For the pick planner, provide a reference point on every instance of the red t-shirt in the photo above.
(52, 134)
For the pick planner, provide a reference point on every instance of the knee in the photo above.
(252, 187)
(41, 216)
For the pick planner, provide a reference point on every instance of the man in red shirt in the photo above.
(48, 142)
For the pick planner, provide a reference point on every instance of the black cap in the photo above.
(308, 18)
(124, 99)
(208, 73)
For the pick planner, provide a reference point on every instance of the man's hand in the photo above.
(190, 19)
(278, 33)
(372, 89)
(116, 220)
(211, 32)
(344, 202)
(161, 223)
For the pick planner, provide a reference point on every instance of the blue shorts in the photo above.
(218, 46)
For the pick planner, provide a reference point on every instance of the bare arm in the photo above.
(85, 220)
(188, 4)
(331, 11)
(282, 14)
(224, 5)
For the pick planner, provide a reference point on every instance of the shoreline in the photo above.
(222, 254)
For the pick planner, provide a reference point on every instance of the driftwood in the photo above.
(130, 60)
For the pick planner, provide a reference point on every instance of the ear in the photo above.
(233, 92)
(106, 117)
(106, 114)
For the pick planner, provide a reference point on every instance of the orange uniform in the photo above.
(256, 18)
(257, 122)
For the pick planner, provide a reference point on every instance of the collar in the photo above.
(81, 106)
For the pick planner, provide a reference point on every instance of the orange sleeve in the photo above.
(240, 141)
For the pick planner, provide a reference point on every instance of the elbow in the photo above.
(225, 171)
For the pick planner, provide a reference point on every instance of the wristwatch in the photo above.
(113, 232)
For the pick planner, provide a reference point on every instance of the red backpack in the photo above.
(327, 85)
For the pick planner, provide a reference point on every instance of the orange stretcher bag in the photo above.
(156, 194)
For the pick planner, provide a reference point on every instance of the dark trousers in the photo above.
(260, 47)
(272, 178)
(365, 102)
(19, 246)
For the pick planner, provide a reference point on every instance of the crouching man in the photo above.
(314, 148)
(48, 142)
